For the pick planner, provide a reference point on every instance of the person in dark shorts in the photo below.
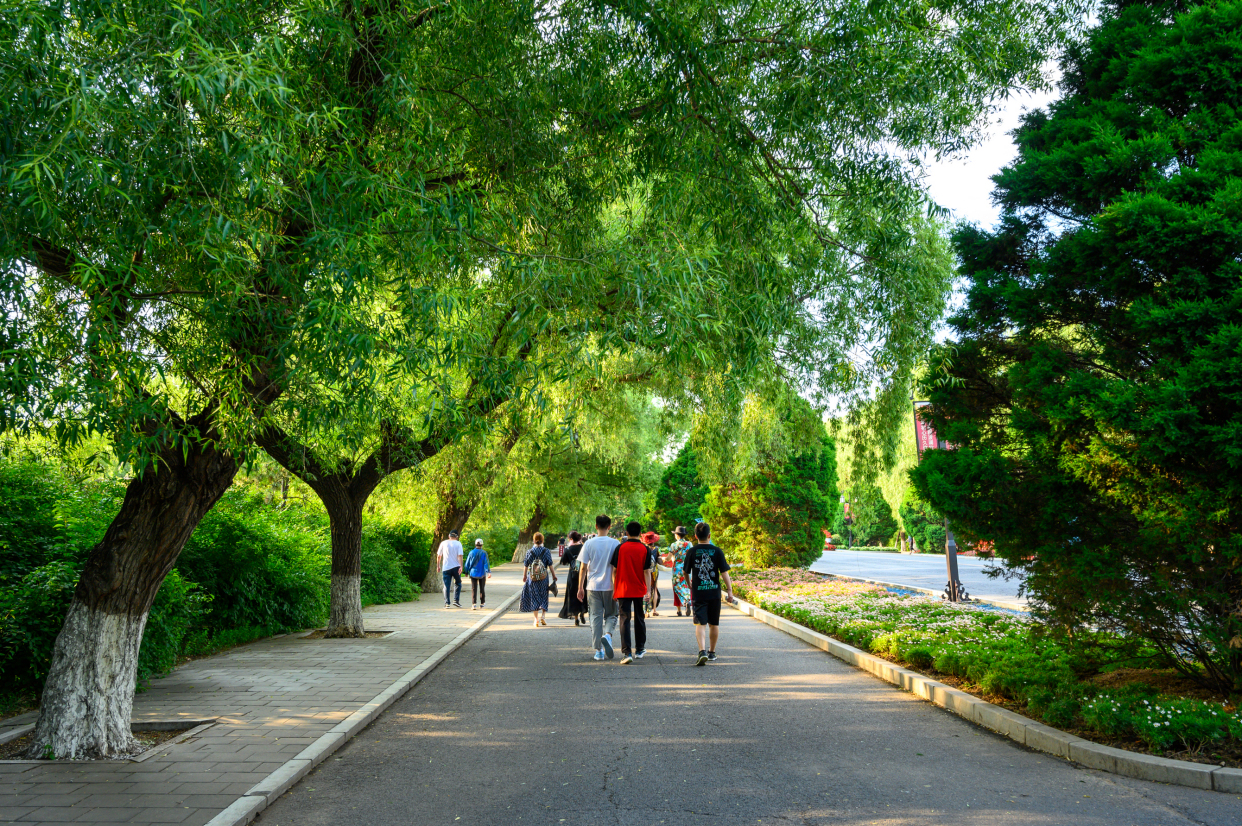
(704, 566)
(631, 579)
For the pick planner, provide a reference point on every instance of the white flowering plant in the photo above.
(1006, 655)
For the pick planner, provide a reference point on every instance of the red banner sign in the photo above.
(924, 433)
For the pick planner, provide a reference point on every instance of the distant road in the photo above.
(920, 571)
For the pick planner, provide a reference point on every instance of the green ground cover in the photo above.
(1119, 692)
(252, 569)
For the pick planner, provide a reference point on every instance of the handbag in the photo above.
(552, 588)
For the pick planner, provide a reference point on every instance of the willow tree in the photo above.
(191, 213)
(193, 204)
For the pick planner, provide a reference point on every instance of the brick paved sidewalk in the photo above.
(271, 699)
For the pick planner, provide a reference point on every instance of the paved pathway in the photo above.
(272, 699)
(520, 728)
(920, 571)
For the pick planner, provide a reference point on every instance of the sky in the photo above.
(964, 185)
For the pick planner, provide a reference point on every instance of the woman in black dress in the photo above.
(572, 607)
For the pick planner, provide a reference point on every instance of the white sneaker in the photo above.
(607, 640)
(473, 607)
(599, 655)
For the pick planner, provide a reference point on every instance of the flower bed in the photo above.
(1004, 658)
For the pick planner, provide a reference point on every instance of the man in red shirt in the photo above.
(631, 562)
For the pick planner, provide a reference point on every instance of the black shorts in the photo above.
(707, 612)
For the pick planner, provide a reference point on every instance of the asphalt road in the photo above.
(921, 571)
(520, 727)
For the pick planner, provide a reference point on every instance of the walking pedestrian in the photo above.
(676, 559)
(449, 557)
(652, 603)
(595, 586)
(573, 607)
(631, 562)
(704, 565)
(479, 569)
(536, 577)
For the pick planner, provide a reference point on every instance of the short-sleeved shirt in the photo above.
(703, 566)
(597, 556)
(450, 554)
(632, 559)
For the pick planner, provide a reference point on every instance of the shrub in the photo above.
(1002, 654)
(383, 579)
(178, 605)
(412, 546)
(265, 567)
(31, 615)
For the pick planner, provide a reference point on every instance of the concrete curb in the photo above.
(1014, 726)
(244, 809)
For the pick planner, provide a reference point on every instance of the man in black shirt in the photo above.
(704, 566)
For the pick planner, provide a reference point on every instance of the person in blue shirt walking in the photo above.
(479, 569)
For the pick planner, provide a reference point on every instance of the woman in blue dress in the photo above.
(536, 577)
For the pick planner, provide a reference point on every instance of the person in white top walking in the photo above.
(595, 586)
(449, 557)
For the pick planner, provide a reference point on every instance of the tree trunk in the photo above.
(345, 605)
(344, 493)
(88, 697)
(452, 518)
(526, 536)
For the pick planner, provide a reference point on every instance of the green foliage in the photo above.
(873, 522)
(1094, 390)
(383, 569)
(264, 567)
(178, 607)
(1049, 676)
(680, 495)
(498, 541)
(250, 570)
(923, 523)
(30, 618)
(776, 516)
(410, 544)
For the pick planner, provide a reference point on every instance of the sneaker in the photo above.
(627, 659)
(599, 655)
(640, 653)
(711, 656)
(607, 641)
(473, 607)
(446, 605)
(702, 658)
(456, 604)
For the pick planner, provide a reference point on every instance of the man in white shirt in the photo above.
(595, 586)
(449, 557)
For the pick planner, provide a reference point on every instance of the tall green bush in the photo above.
(680, 495)
(265, 568)
(383, 570)
(873, 521)
(923, 523)
(776, 517)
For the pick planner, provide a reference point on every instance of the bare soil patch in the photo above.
(322, 635)
(13, 750)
